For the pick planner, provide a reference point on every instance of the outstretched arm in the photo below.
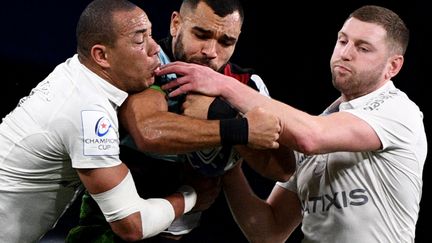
(145, 116)
(339, 131)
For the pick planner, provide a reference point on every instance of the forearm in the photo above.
(295, 124)
(299, 130)
(130, 216)
(146, 118)
(252, 214)
(154, 215)
(275, 164)
(165, 132)
(240, 96)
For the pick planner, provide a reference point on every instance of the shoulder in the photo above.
(393, 116)
(392, 101)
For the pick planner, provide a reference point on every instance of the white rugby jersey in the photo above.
(68, 121)
(366, 196)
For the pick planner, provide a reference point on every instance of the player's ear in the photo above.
(99, 55)
(394, 66)
(175, 23)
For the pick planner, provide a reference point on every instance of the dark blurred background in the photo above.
(288, 44)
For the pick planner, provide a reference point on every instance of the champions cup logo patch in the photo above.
(102, 127)
(99, 135)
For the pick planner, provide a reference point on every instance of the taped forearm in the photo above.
(157, 214)
(123, 200)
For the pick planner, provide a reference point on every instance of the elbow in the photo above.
(128, 229)
(146, 142)
(131, 237)
(307, 144)
(147, 138)
(129, 233)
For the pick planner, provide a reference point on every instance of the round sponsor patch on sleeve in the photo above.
(100, 137)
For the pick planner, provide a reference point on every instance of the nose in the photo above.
(347, 51)
(154, 48)
(210, 49)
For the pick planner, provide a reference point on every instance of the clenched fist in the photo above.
(264, 129)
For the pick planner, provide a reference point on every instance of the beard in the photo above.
(357, 83)
(180, 55)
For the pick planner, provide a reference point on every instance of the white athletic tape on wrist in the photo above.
(123, 200)
(158, 214)
(190, 197)
(184, 224)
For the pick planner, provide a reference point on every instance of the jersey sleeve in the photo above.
(395, 121)
(90, 137)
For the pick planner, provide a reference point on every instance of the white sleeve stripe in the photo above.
(262, 88)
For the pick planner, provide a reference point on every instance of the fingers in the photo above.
(179, 68)
(183, 89)
(178, 86)
(273, 144)
(173, 67)
(174, 83)
(264, 129)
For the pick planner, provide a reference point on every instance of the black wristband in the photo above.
(220, 109)
(234, 131)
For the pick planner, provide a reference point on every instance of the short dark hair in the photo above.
(96, 25)
(220, 7)
(397, 32)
